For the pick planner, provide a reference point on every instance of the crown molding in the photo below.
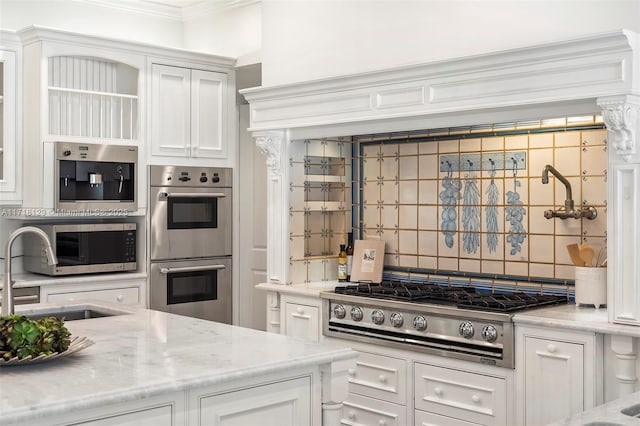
(172, 11)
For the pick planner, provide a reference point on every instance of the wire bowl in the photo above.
(77, 344)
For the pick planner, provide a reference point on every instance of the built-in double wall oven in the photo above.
(191, 241)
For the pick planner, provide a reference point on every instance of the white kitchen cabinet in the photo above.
(559, 373)
(379, 376)
(121, 292)
(465, 396)
(285, 403)
(189, 113)
(76, 88)
(10, 117)
(301, 318)
(360, 410)
(165, 410)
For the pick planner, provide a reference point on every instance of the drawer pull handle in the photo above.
(437, 391)
(352, 415)
(300, 311)
(551, 348)
(475, 398)
(352, 372)
(382, 378)
(120, 298)
(382, 422)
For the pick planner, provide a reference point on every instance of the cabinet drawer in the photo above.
(124, 296)
(302, 321)
(430, 419)
(362, 411)
(459, 394)
(380, 377)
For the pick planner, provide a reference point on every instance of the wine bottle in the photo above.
(342, 263)
(349, 254)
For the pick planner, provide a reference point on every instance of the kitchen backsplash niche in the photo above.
(463, 204)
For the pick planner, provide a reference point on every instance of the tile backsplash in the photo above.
(453, 202)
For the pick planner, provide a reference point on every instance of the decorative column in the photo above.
(626, 350)
(273, 145)
(622, 117)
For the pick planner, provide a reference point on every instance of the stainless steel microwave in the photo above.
(83, 248)
(95, 178)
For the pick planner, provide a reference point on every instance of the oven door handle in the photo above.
(192, 269)
(191, 195)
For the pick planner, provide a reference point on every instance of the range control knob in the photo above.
(396, 319)
(489, 333)
(377, 317)
(466, 330)
(339, 311)
(356, 314)
(203, 179)
(420, 323)
(66, 153)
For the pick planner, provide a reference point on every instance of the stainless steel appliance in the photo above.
(198, 288)
(190, 241)
(457, 322)
(83, 248)
(190, 212)
(95, 177)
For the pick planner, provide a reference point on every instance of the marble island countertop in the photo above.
(146, 353)
(609, 414)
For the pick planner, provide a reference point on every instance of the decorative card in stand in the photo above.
(368, 261)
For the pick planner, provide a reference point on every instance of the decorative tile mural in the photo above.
(459, 204)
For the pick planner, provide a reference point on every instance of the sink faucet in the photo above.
(568, 210)
(7, 294)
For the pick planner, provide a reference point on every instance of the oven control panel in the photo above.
(194, 177)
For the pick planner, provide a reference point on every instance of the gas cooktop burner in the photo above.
(462, 297)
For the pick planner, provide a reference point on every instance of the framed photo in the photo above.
(368, 260)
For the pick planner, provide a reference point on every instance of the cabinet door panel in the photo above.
(159, 416)
(464, 395)
(360, 411)
(430, 419)
(302, 321)
(554, 380)
(123, 296)
(285, 403)
(171, 92)
(208, 114)
(379, 376)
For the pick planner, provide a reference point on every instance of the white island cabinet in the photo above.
(153, 368)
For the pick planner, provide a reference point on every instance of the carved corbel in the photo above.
(620, 115)
(270, 144)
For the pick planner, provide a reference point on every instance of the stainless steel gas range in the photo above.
(457, 322)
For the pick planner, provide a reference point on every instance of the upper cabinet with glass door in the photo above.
(9, 118)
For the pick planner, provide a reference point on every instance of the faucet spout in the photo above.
(568, 203)
(7, 294)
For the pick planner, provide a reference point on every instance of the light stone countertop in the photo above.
(608, 414)
(572, 317)
(312, 289)
(27, 279)
(149, 353)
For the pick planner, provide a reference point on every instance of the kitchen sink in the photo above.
(633, 411)
(73, 313)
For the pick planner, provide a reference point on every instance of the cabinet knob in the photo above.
(352, 372)
(551, 348)
(475, 398)
(437, 391)
(120, 298)
(300, 311)
(382, 422)
(352, 415)
(382, 378)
